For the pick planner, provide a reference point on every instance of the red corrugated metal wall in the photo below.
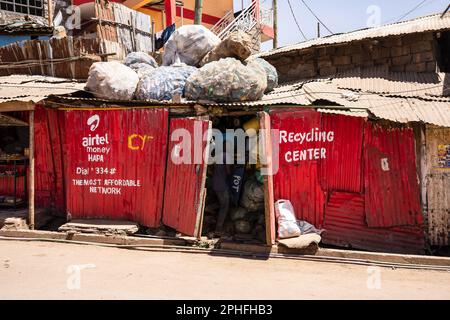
(298, 181)
(341, 170)
(340, 189)
(49, 177)
(184, 189)
(391, 183)
(345, 225)
(115, 163)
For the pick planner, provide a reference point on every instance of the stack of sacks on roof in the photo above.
(196, 65)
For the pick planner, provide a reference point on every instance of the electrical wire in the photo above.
(318, 19)
(420, 4)
(296, 22)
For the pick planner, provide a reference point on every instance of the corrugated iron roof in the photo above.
(26, 26)
(422, 24)
(34, 88)
(402, 84)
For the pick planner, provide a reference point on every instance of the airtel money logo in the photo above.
(93, 121)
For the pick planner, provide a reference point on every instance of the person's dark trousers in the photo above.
(224, 202)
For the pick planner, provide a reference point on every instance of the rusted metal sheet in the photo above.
(34, 88)
(345, 225)
(342, 169)
(298, 181)
(391, 182)
(438, 184)
(185, 176)
(114, 163)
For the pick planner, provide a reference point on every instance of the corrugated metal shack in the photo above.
(373, 172)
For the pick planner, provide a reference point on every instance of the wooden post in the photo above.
(50, 12)
(275, 23)
(31, 173)
(198, 11)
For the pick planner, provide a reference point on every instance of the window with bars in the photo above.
(31, 7)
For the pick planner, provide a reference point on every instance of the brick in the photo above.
(392, 42)
(400, 51)
(383, 61)
(412, 38)
(423, 57)
(416, 67)
(342, 60)
(352, 49)
(431, 66)
(397, 68)
(399, 61)
(325, 63)
(357, 58)
(429, 36)
(340, 51)
(328, 71)
(421, 46)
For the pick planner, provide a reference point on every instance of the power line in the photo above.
(318, 19)
(296, 22)
(410, 11)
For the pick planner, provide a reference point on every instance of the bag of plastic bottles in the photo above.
(142, 69)
(272, 74)
(139, 57)
(164, 82)
(189, 44)
(112, 80)
(227, 80)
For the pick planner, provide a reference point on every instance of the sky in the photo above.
(341, 16)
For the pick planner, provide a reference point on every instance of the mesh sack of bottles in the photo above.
(164, 83)
(227, 80)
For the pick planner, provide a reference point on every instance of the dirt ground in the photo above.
(42, 270)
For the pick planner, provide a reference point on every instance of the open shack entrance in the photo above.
(222, 192)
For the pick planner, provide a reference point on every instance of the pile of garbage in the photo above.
(196, 65)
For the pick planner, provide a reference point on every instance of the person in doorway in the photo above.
(220, 186)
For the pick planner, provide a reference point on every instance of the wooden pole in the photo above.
(318, 29)
(275, 23)
(198, 11)
(31, 168)
(50, 12)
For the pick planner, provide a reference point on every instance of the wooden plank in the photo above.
(31, 175)
(16, 106)
(268, 178)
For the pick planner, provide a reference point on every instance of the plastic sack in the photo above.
(237, 45)
(252, 197)
(163, 83)
(227, 80)
(112, 80)
(139, 57)
(271, 72)
(287, 223)
(142, 69)
(242, 226)
(189, 44)
(306, 227)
